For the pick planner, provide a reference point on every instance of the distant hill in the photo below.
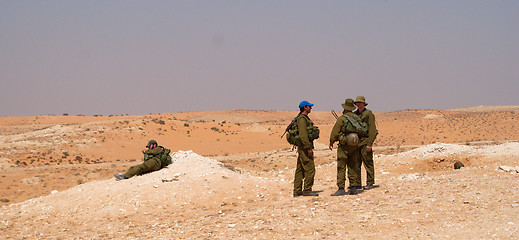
(504, 108)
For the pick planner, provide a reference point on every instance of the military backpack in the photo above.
(350, 127)
(293, 131)
(165, 158)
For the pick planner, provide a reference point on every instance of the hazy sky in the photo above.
(140, 57)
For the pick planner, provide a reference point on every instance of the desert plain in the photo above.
(232, 177)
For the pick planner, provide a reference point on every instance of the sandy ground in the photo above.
(232, 178)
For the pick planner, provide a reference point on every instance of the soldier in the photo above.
(348, 156)
(305, 168)
(366, 143)
(155, 158)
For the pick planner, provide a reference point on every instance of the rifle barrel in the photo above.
(335, 114)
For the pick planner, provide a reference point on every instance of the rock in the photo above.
(458, 165)
(509, 169)
(169, 179)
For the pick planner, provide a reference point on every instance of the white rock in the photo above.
(509, 169)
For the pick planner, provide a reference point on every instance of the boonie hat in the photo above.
(361, 99)
(305, 103)
(151, 142)
(349, 105)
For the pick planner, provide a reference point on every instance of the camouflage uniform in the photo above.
(305, 168)
(347, 156)
(151, 162)
(367, 117)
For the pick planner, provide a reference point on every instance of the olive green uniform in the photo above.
(347, 156)
(368, 117)
(305, 168)
(151, 162)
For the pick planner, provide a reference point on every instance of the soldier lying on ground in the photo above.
(155, 158)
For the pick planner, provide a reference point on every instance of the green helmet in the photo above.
(151, 142)
(352, 139)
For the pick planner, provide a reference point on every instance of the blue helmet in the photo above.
(305, 103)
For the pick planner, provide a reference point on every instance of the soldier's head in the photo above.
(348, 105)
(151, 144)
(305, 107)
(360, 102)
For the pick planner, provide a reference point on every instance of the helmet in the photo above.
(151, 142)
(352, 139)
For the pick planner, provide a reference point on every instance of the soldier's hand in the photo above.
(310, 152)
(368, 149)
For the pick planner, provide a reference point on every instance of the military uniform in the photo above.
(347, 156)
(367, 117)
(305, 168)
(155, 158)
(151, 163)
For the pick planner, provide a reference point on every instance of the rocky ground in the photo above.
(247, 194)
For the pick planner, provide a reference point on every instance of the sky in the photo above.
(140, 57)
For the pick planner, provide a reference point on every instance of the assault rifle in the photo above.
(290, 125)
(335, 115)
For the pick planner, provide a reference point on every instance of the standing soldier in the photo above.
(366, 143)
(348, 154)
(305, 169)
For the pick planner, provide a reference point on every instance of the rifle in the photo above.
(290, 125)
(335, 115)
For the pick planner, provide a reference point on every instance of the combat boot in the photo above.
(119, 176)
(310, 194)
(339, 192)
(353, 191)
(370, 186)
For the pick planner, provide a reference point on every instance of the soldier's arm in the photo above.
(303, 133)
(334, 135)
(152, 152)
(372, 129)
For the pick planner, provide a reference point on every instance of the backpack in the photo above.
(293, 133)
(165, 158)
(351, 131)
(351, 125)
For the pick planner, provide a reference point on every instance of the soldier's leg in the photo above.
(308, 170)
(145, 167)
(341, 172)
(353, 164)
(367, 159)
(298, 176)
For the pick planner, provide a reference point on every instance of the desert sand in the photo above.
(232, 177)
